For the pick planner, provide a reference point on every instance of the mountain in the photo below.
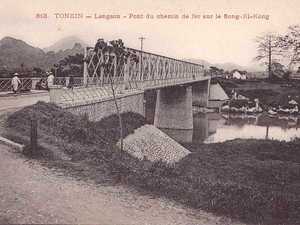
(65, 43)
(16, 53)
(230, 66)
(54, 57)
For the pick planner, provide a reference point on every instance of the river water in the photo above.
(217, 127)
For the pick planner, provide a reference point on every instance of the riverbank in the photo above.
(268, 92)
(255, 181)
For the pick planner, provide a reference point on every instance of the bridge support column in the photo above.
(201, 93)
(174, 108)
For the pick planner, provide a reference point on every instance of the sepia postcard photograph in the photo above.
(150, 112)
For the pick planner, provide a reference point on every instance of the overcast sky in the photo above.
(216, 40)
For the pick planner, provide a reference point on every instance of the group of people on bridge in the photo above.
(45, 84)
(16, 83)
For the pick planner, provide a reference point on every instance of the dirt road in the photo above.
(30, 193)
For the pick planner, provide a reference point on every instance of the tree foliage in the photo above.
(70, 65)
(290, 44)
(279, 70)
(114, 50)
(268, 50)
(115, 57)
(284, 49)
(215, 71)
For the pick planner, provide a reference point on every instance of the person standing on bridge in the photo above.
(50, 80)
(71, 82)
(15, 83)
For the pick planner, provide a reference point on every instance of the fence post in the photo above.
(33, 136)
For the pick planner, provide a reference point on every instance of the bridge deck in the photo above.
(94, 93)
(11, 102)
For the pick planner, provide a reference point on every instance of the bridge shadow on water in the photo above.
(205, 125)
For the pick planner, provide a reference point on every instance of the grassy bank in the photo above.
(255, 181)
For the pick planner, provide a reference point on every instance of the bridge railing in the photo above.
(65, 81)
(31, 82)
(26, 84)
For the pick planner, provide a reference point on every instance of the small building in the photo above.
(236, 75)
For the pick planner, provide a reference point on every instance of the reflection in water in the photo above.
(206, 125)
(215, 127)
(283, 128)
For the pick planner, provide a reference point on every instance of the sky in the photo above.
(221, 40)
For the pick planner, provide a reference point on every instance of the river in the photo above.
(218, 127)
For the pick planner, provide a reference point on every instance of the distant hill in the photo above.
(54, 57)
(16, 53)
(226, 66)
(65, 43)
(203, 62)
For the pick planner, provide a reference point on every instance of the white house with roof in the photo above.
(239, 75)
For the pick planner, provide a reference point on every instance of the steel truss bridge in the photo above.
(148, 72)
(141, 71)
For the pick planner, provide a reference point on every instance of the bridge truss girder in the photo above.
(148, 67)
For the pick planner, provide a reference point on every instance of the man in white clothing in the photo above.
(50, 80)
(15, 83)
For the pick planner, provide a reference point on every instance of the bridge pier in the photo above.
(201, 93)
(174, 108)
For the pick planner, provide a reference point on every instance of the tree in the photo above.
(37, 71)
(278, 70)
(215, 71)
(268, 50)
(72, 64)
(290, 43)
(114, 61)
(287, 75)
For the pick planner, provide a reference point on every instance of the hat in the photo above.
(16, 74)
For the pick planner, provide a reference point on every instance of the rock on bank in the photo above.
(152, 144)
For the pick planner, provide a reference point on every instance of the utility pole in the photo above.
(85, 68)
(142, 42)
(270, 57)
(141, 61)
